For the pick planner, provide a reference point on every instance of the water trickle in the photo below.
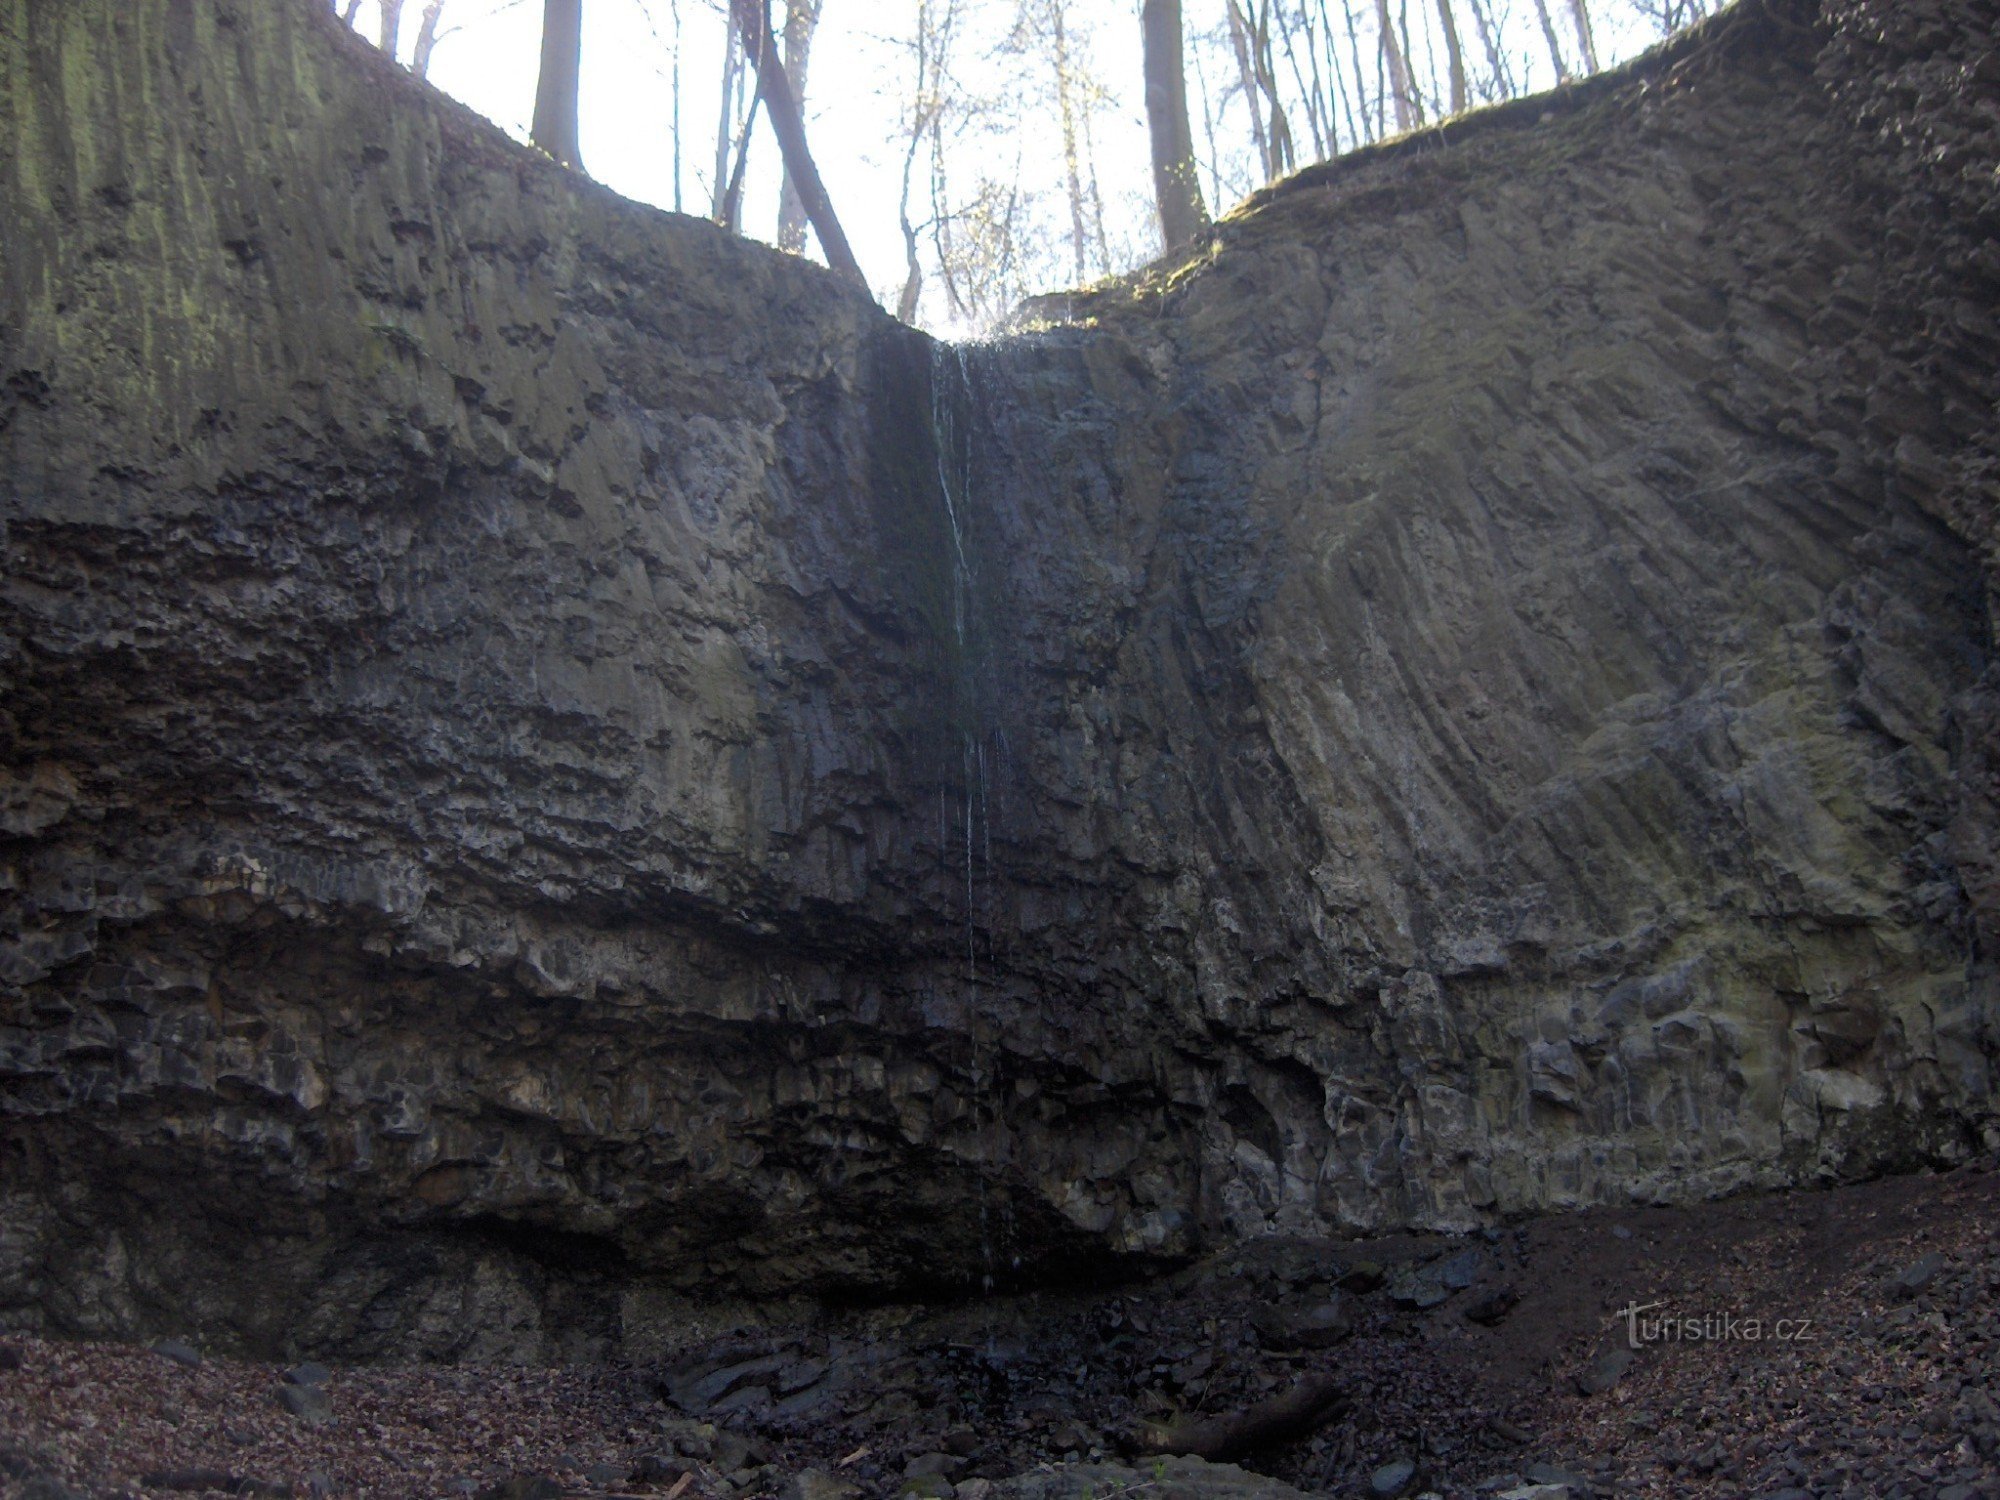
(951, 389)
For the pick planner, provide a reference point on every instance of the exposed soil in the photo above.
(1879, 1382)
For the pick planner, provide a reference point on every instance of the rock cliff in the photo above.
(554, 761)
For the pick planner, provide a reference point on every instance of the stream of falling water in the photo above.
(951, 408)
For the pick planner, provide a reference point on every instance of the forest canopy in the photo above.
(967, 154)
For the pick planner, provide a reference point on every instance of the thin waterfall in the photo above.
(951, 395)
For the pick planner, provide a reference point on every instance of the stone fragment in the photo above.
(1308, 1325)
(818, 1484)
(308, 1373)
(180, 1352)
(1393, 1479)
(1917, 1275)
(1604, 1372)
(662, 1468)
(309, 1403)
(1493, 1306)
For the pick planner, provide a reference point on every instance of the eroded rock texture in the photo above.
(556, 761)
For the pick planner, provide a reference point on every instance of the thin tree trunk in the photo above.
(349, 11)
(1342, 98)
(1066, 105)
(554, 128)
(1456, 54)
(1176, 184)
(1246, 72)
(1284, 155)
(1549, 35)
(754, 22)
(801, 19)
(731, 217)
(913, 276)
(1382, 88)
(675, 118)
(1309, 92)
(1208, 130)
(392, 26)
(731, 140)
(427, 36)
(1409, 52)
(1579, 11)
(1496, 60)
(1096, 196)
(1399, 71)
(1371, 125)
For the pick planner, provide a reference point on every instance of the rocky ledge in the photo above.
(553, 762)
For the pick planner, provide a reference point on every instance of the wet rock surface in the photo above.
(556, 763)
(1865, 1394)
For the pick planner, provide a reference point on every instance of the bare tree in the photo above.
(801, 20)
(1455, 54)
(1417, 105)
(1246, 72)
(928, 48)
(1500, 71)
(732, 129)
(392, 26)
(1549, 36)
(1579, 12)
(1671, 15)
(754, 22)
(554, 127)
(427, 38)
(1053, 15)
(1176, 187)
(1402, 96)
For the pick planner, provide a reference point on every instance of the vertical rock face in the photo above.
(553, 758)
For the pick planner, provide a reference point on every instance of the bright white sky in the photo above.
(860, 81)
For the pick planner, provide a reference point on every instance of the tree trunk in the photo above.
(554, 128)
(725, 119)
(1579, 11)
(801, 18)
(392, 26)
(754, 21)
(1371, 124)
(1399, 70)
(1246, 72)
(674, 126)
(1496, 60)
(1409, 57)
(427, 36)
(349, 11)
(1313, 93)
(1176, 187)
(1066, 106)
(1284, 155)
(1456, 54)
(1549, 36)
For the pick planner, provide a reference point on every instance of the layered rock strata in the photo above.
(555, 760)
